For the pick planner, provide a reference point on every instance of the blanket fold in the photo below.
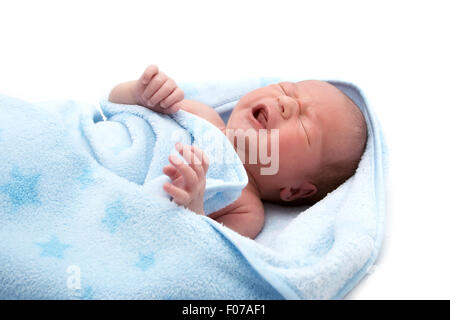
(83, 214)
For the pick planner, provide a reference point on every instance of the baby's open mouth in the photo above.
(261, 115)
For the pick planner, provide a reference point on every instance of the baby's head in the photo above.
(322, 136)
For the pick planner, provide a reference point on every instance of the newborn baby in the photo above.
(321, 138)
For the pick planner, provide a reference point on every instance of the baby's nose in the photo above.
(288, 106)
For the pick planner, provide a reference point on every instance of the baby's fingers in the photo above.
(191, 158)
(148, 74)
(176, 96)
(204, 158)
(171, 172)
(195, 157)
(189, 175)
(172, 109)
(179, 195)
(154, 85)
(163, 92)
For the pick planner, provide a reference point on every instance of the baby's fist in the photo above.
(156, 91)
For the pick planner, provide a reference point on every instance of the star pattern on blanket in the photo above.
(85, 178)
(87, 294)
(145, 261)
(115, 215)
(53, 248)
(22, 189)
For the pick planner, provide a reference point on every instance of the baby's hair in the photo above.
(336, 172)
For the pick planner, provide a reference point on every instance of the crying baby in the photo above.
(315, 136)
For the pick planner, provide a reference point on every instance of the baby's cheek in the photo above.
(286, 142)
(283, 150)
(291, 150)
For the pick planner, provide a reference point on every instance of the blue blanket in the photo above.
(83, 214)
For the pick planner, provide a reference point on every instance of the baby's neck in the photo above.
(252, 183)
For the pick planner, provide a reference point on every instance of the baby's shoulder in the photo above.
(203, 111)
(248, 202)
(250, 197)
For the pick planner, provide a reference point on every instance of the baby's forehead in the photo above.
(318, 89)
(337, 112)
(321, 95)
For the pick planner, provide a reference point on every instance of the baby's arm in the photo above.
(124, 93)
(156, 91)
(203, 111)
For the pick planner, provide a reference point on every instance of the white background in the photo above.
(397, 52)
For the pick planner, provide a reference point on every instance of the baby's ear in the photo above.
(305, 190)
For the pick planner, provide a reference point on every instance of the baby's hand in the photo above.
(156, 91)
(188, 180)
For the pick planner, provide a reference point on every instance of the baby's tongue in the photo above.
(261, 118)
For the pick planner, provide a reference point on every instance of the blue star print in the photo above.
(22, 189)
(53, 248)
(145, 261)
(88, 293)
(86, 177)
(115, 215)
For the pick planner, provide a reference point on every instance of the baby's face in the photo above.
(311, 126)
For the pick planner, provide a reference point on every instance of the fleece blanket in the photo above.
(83, 216)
